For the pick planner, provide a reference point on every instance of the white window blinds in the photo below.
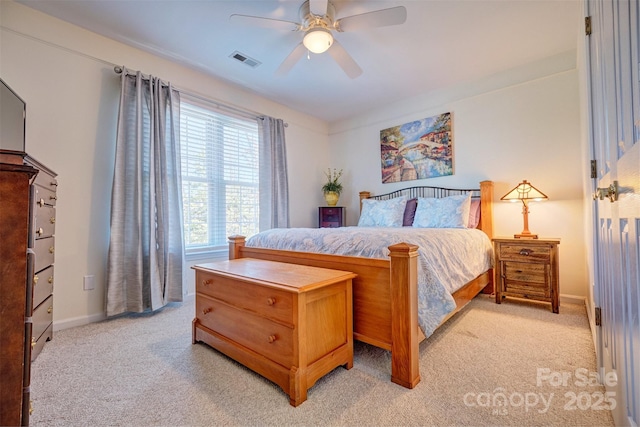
(220, 175)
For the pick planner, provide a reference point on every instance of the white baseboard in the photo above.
(573, 299)
(78, 321)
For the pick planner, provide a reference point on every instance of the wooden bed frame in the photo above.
(385, 292)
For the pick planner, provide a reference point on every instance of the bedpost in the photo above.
(486, 207)
(404, 315)
(364, 195)
(236, 242)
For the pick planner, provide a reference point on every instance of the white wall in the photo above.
(522, 124)
(65, 75)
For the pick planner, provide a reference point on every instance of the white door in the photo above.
(615, 131)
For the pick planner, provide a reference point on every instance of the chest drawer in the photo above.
(44, 249)
(44, 196)
(515, 252)
(261, 335)
(44, 221)
(268, 302)
(42, 317)
(42, 285)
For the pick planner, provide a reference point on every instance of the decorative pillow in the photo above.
(474, 214)
(382, 213)
(409, 212)
(446, 212)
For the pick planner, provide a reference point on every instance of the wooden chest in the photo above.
(290, 323)
(527, 269)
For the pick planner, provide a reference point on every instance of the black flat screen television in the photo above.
(13, 112)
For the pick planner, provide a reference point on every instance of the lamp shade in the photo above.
(524, 191)
(318, 40)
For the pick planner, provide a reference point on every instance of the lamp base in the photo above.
(525, 236)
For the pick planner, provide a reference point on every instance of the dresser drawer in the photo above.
(42, 285)
(270, 339)
(44, 249)
(42, 317)
(44, 223)
(268, 302)
(46, 181)
(44, 197)
(525, 253)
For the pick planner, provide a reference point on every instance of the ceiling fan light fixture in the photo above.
(318, 40)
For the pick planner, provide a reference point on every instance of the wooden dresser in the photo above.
(42, 212)
(19, 263)
(527, 268)
(292, 324)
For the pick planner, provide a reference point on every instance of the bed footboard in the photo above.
(385, 299)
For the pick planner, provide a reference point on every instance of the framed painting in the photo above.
(417, 150)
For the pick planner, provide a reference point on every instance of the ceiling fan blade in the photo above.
(344, 60)
(379, 18)
(260, 21)
(291, 60)
(318, 7)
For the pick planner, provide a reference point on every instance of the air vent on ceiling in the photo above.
(245, 59)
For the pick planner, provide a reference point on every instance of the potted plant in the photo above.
(333, 187)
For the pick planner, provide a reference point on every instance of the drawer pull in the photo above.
(33, 343)
(51, 250)
(41, 202)
(207, 282)
(52, 220)
(35, 279)
(272, 339)
(207, 311)
(525, 252)
(271, 301)
(53, 197)
(40, 231)
(54, 183)
(50, 310)
(50, 279)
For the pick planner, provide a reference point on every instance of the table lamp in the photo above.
(526, 193)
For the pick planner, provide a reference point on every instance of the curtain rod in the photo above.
(252, 114)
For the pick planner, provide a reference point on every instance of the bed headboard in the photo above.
(484, 193)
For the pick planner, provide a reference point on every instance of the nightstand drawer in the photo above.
(525, 252)
(526, 291)
(523, 272)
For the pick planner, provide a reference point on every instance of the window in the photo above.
(220, 178)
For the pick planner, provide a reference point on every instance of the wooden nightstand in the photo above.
(527, 268)
(331, 216)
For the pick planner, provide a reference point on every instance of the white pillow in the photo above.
(382, 213)
(446, 212)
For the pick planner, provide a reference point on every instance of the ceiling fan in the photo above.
(318, 24)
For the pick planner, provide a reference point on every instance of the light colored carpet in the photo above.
(142, 370)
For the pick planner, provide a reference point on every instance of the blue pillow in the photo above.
(382, 213)
(446, 212)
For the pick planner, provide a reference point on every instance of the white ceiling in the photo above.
(442, 43)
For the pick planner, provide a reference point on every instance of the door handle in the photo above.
(611, 192)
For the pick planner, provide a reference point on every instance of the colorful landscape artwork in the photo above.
(417, 150)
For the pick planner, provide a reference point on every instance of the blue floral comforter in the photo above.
(447, 258)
